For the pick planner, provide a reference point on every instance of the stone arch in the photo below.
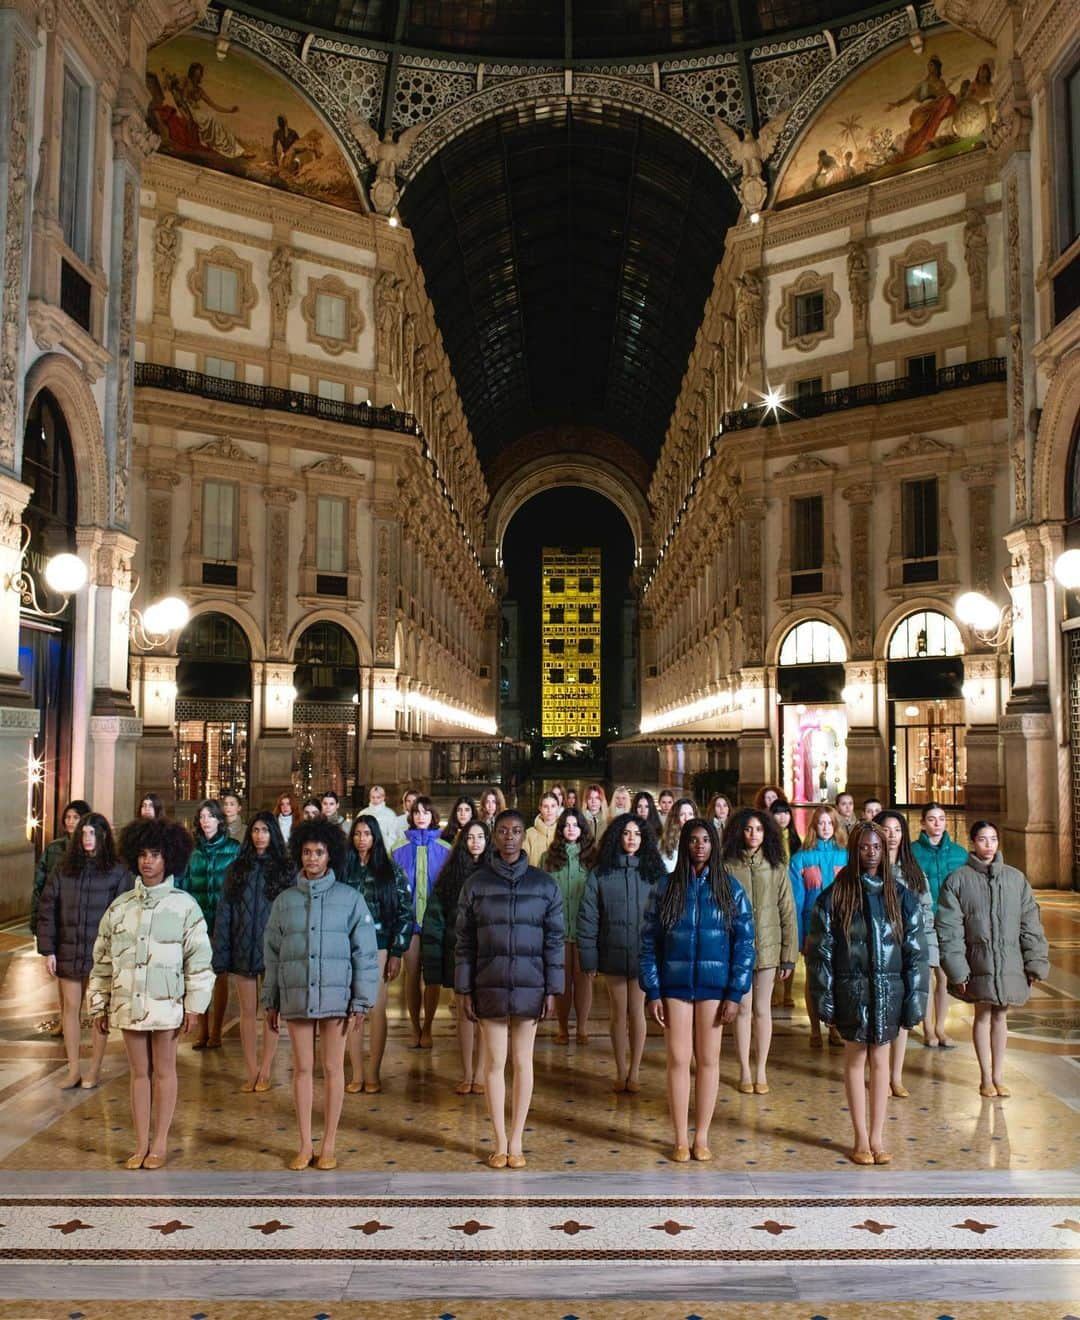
(1057, 427)
(914, 605)
(344, 621)
(592, 473)
(59, 374)
(809, 613)
(239, 616)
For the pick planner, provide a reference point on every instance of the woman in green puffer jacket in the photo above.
(993, 949)
(204, 880)
(568, 862)
(754, 855)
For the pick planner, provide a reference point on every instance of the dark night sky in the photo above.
(568, 516)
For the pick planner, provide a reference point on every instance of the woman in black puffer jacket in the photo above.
(252, 882)
(72, 904)
(868, 972)
(509, 968)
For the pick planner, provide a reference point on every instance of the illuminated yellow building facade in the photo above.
(570, 637)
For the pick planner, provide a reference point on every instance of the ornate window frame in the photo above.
(919, 458)
(220, 460)
(921, 250)
(804, 476)
(335, 287)
(336, 478)
(810, 281)
(247, 295)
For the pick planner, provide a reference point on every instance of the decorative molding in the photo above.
(166, 255)
(223, 449)
(918, 253)
(919, 446)
(11, 317)
(334, 287)
(334, 466)
(246, 294)
(803, 466)
(125, 358)
(787, 319)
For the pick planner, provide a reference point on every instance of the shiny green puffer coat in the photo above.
(872, 983)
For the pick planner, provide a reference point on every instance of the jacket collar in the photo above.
(316, 887)
(873, 884)
(153, 894)
(421, 836)
(991, 869)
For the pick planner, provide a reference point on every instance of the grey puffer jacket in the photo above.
(70, 912)
(321, 955)
(609, 919)
(509, 942)
(873, 982)
(926, 908)
(990, 933)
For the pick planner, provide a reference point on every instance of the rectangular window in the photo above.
(222, 291)
(556, 675)
(219, 514)
(920, 519)
(807, 533)
(330, 536)
(586, 676)
(75, 148)
(809, 313)
(922, 368)
(1072, 100)
(331, 316)
(921, 285)
(585, 586)
(223, 368)
(556, 585)
(556, 645)
(555, 614)
(332, 389)
(586, 613)
(807, 389)
(586, 646)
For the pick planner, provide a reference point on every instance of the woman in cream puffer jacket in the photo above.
(152, 975)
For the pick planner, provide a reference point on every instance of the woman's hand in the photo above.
(785, 974)
(273, 1019)
(960, 989)
(465, 1003)
(101, 1023)
(657, 1010)
(191, 1021)
(729, 1011)
(591, 975)
(50, 964)
(393, 966)
(352, 1022)
(547, 1008)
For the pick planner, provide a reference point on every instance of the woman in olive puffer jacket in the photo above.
(252, 882)
(868, 974)
(76, 894)
(609, 935)
(214, 852)
(992, 946)
(754, 855)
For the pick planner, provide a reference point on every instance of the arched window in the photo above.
(326, 663)
(1072, 480)
(213, 708)
(326, 711)
(214, 637)
(924, 635)
(813, 642)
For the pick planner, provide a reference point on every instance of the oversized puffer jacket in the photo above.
(813, 869)
(875, 981)
(70, 912)
(926, 910)
(510, 937)
(937, 863)
(699, 957)
(241, 920)
(990, 933)
(610, 917)
(421, 857)
(151, 959)
(438, 938)
(204, 878)
(390, 904)
(571, 878)
(322, 958)
(52, 856)
(538, 839)
(776, 924)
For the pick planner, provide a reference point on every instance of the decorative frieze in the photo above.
(14, 291)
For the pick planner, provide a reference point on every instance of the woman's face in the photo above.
(934, 824)
(699, 847)
(825, 828)
(71, 821)
(557, 794)
(571, 798)
(362, 838)
(549, 809)
(260, 836)
(984, 845)
(721, 810)
(620, 801)
(421, 817)
(208, 823)
(509, 836)
(571, 830)
(146, 809)
(753, 834)
(893, 833)
(686, 812)
(231, 808)
(641, 808)
(311, 811)
(870, 852)
(463, 813)
(631, 838)
(314, 858)
(89, 838)
(592, 802)
(770, 797)
(490, 804)
(409, 799)
(475, 843)
(286, 807)
(782, 818)
(151, 866)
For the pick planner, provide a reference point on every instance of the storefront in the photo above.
(326, 713)
(213, 710)
(925, 675)
(813, 717)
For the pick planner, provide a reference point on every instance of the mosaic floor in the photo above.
(981, 1202)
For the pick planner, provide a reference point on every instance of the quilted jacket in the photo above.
(699, 957)
(322, 958)
(438, 938)
(875, 981)
(390, 905)
(70, 912)
(52, 854)
(990, 932)
(609, 919)
(151, 959)
(205, 875)
(938, 862)
(926, 908)
(241, 923)
(813, 869)
(538, 839)
(776, 924)
(422, 850)
(571, 881)
(510, 939)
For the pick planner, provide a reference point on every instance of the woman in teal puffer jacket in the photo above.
(812, 870)
(938, 856)
(213, 854)
(322, 971)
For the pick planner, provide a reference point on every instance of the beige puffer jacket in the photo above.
(776, 926)
(538, 839)
(152, 959)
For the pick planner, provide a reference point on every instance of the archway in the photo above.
(61, 378)
(213, 708)
(326, 712)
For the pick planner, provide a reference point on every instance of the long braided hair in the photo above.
(673, 899)
(909, 867)
(847, 896)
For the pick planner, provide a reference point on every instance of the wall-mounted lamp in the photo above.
(991, 624)
(65, 574)
(154, 627)
(1067, 569)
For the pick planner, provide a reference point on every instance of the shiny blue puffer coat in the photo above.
(874, 982)
(699, 957)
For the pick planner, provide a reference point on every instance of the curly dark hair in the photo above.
(104, 847)
(772, 849)
(318, 831)
(673, 899)
(280, 872)
(164, 836)
(650, 863)
(556, 854)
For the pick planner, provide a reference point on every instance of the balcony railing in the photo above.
(153, 375)
(875, 392)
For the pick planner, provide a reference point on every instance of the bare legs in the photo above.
(989, 1034)
(693, 1031)
(815, 1021)
(431, 1003)
(302, 1036)
(897, 1050)
(869, 1139)
(471, 1048)
(564, 1002)
(578, 995)
(332, 1036)
(71, 997)
(411, 964)
(941, 1004)
(755, 1017)
(368, 1074)
(152, 1063)
(212, 1021)
(627, 1024)
(247, 991)
(517, 1035)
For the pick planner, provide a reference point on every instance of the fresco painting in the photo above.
(908, 111)
(234, 115)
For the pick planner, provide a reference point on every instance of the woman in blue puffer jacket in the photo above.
(812, 870)
(697, 962)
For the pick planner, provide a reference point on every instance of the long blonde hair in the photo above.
(810, 838)
(615, 809)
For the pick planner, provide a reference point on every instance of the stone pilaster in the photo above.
(13, 500)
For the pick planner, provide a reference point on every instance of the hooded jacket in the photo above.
(205, 874)
(70, 912)
(322, 958)
(151, 959)
(699, 957)
(776, 924)
(391, 904)
(610, 918)
(990, 933)
(813, 869)
(875, 981)
(571, 879)
(241, 922)
(937, 863)
(421, 857)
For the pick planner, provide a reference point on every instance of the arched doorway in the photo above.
(213, 709)
(925, 676)
(813, 718)
(326, 712)
(46, 649)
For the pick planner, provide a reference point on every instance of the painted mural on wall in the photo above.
(908, 111)
(236, 116)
